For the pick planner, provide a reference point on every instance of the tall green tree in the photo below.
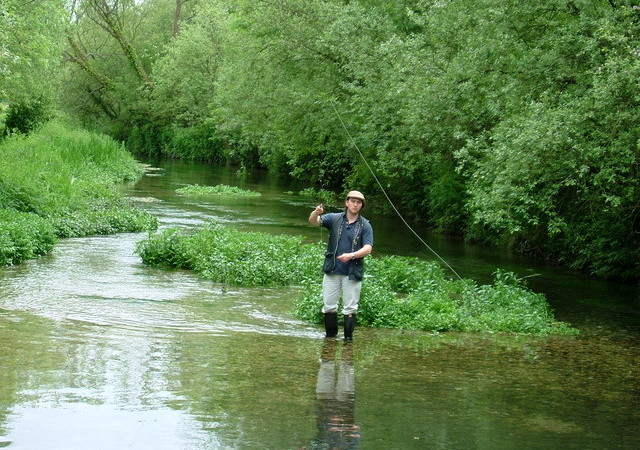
(30, 48)
(185, 78)
(112, 45)
(470, 112)
(503, 121)
(293, 57)
(559, 177)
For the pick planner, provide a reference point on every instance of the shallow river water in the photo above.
(99, 351)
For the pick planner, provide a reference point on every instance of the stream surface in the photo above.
(99, 351)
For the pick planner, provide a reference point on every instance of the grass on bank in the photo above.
(398, 292)
(62, 182)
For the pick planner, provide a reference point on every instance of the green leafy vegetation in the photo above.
(220, 189)
(509, 123)
(59, 182)
(413, 294)
(398, 292)
(322, 195)
(233, 257)
(23, 236)
(31, 39)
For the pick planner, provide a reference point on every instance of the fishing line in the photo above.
(385, 193)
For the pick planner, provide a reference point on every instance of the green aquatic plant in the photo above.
(220, 189)
(398, 292)
(233, 257)
(414, 294)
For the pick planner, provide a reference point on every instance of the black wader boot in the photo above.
(331, 324)
(349, 325)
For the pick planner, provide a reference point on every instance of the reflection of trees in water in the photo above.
(335, 394)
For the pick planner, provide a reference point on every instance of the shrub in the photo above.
(238, 258)
(413, 294)
(25, 117)
(23, 236)
(319, 195)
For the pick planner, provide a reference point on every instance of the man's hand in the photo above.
(364, 251)
(346, 257)
(315, 215)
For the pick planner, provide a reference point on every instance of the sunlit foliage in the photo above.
(31, 37)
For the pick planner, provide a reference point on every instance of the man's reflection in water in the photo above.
(335, 394)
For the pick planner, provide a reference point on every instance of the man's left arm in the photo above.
(366, 249)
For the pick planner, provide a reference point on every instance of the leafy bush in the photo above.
(200, 142)
(238, 258)
(25, 117)
(168, 248)
(413, 294)
(95, 218)
(23, 236)
(319, 195)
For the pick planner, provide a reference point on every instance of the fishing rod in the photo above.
(387, 196)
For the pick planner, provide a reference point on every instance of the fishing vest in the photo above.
(356, 268)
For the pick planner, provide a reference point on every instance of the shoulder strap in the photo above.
(356, 236)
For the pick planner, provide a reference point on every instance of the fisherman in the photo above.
(350, 240)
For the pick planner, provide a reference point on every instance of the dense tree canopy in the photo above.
(512, 123)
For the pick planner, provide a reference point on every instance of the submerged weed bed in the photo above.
(398, 292)
(414, 294)
(233, 257)
(220, 189)
(59, 182)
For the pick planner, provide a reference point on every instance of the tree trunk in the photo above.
(110, 20)
(80, 57)
(176, 17)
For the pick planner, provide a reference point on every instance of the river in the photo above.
(99, 351)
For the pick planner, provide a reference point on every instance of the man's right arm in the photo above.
(314, 217)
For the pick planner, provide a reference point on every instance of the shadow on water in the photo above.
(99, 351)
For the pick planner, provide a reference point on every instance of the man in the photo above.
(350, 240)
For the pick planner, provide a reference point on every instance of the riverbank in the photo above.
(61, 182)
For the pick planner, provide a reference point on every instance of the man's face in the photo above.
(354, 205)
